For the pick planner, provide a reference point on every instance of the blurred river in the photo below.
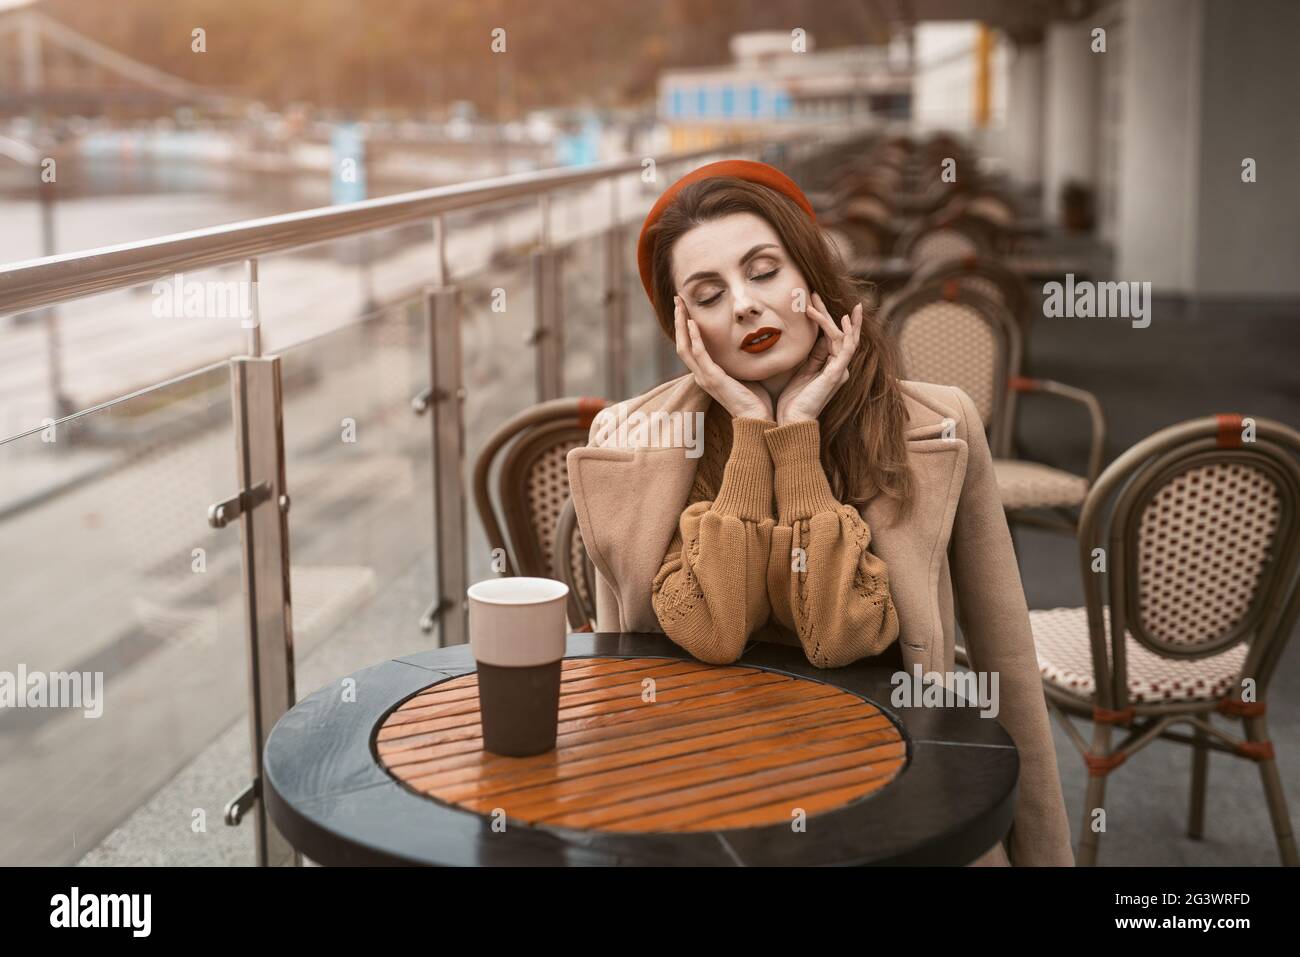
(116, 199)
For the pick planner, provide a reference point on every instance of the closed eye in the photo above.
(761, 278)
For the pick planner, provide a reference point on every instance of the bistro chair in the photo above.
(929, 191)
(527, 455)
(1199, 535)
(856, 171)
(857, 236)
(870, 206)
(572, 565)
(993, 208)
(930, 195)
(870, 214)
(951, 335)
(848, 247)
(881, 178)
(986, 275)
(940, 238)
(869, 191)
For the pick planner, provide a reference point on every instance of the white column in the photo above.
(944, 79)
(1070, 120)
(1025, 114)
(1248, 234)
(1159, 162)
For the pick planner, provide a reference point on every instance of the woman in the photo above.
(834, 506)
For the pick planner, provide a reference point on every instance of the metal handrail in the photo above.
(37, 283)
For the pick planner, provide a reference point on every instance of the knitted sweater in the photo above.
(736, 565)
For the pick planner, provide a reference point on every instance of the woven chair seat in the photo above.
(1065, 661)
(1033, 485)
(942, 245)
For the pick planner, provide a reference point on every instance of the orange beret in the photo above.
(760, 173)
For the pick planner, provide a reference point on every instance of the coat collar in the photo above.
(629, 494)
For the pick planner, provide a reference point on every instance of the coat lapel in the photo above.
(914, 548)
(629, 496)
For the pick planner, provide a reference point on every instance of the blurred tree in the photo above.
(417, 55)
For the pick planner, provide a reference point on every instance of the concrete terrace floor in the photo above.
(1193, 360)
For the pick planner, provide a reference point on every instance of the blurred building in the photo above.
(959, 80)
(776, 78)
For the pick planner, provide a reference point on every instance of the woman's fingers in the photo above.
(689, 346)
(710, 371)
(827, 366)
(738, 398)
(850, 325)
(679, 329)
(838, 365)
(821, 351)
(692, 351)
(683, 336)
(817, 309)
(700, 354)
(823, 319)
(846, 344)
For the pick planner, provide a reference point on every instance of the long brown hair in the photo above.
(863, 449)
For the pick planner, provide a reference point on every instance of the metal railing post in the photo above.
(262, 506)
(615, 315)
(255, 309)
(548, 330)
(446, 399)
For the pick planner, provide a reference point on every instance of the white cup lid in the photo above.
(519, 590)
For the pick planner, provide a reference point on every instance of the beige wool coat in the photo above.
(950, 559)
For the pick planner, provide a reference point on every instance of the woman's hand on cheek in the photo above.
(825, 369)
(742, 399)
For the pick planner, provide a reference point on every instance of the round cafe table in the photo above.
(660, 760)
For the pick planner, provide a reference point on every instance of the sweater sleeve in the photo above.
(823, 583)
(710, 594)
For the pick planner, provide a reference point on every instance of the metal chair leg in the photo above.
(1257, 730)
(1200, 768)
(1094, 799)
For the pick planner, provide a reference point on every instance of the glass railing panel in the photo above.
(80, 354)
(113, 575)
(583, 315)
(358, 471)
(649, 352)
(499, 372)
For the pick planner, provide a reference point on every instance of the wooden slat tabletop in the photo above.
(653, 744)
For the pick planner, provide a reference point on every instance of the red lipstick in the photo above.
(760, 340)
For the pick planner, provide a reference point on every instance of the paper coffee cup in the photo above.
(517, 632)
